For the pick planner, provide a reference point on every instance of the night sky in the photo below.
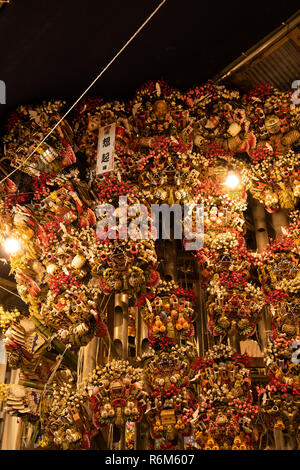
(56, 48)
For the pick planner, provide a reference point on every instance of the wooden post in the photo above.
(120, 336)
(142, 345)
(12, 424)
(279, 219)
(88, 357)
(260, 225)
(201, 329)
(262, 239)
(120, 342)
(170, 264)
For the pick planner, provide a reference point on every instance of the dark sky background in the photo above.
(56, 48)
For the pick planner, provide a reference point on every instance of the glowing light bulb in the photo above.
(11, 245)
(232, 180)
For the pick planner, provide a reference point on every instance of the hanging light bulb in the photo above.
(11, 245)
(232, 180)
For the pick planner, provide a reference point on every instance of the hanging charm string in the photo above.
(86, 90)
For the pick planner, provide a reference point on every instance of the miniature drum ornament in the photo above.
(78, 262)
(51, 268)
(234, 129)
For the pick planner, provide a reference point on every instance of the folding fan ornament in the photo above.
(27, 349)
(24, 345)
(28, 127)
(116, 393)
(22, 402)
(226, 411)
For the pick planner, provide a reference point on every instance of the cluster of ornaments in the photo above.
(170, 147)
